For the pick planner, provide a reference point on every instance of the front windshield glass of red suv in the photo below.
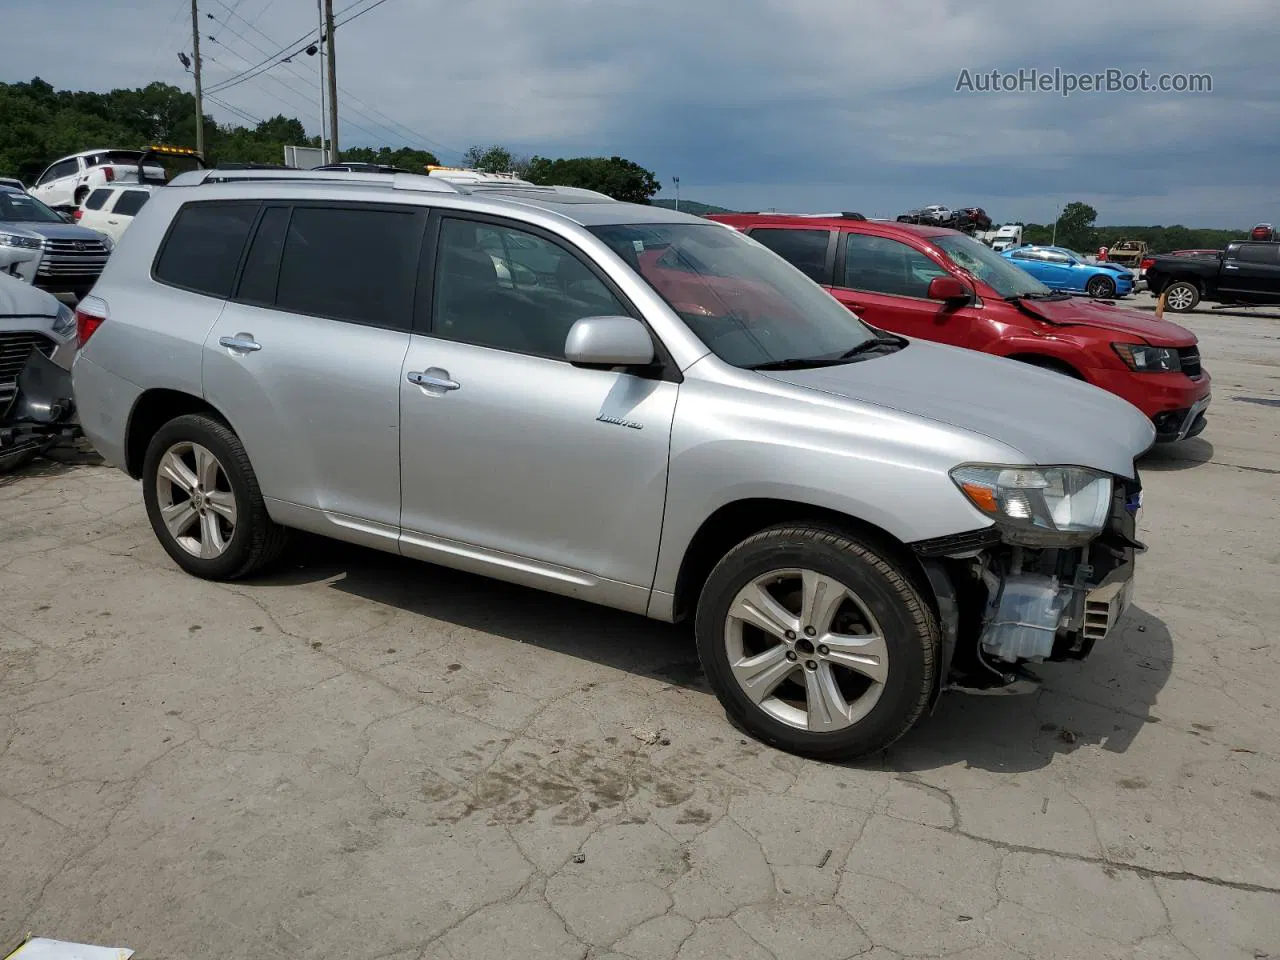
(747, 304)
(988, 266)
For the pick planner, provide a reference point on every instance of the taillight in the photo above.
(1147, 263)
(78, 214)
(90, 314)
(109, 173)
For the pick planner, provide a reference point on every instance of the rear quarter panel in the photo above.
(154, 334)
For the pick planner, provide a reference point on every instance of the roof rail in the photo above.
(398, 181)
(524, 188)
(842, 215)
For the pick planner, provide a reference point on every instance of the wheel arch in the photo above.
(151, 411)
(733, 522)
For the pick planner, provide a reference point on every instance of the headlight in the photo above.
(20, 240)
(1039, 506)
(107, 241)
(65, 325)
(1146, 359)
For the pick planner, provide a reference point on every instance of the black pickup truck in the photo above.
(1243, 273)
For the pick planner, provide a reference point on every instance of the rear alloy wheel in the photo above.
(203, 500)
(815, 643)
(1101, 288)
(1181, 296)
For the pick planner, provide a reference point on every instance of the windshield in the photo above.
(747, 304)
(24, 208)
(988, 266)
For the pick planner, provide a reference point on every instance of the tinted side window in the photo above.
(1257, 252)
(130, 202)
(204, 245)
(262, 265)
(349, 263)
(1029, 255)
(96, 199)
(505, 288)
(1050, 256)
(884, 265)
(804, 249)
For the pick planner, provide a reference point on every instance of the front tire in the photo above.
(1100, 288)
(203, 500)
(816, 642)
(1181, 296)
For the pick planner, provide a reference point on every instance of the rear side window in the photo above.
(354, 264)
(96, 199)
(804, 249)
(130, 202)
(203, 247)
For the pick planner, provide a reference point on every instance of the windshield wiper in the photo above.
(1051, 295)
(795, 363)
(801, 363)
(873, 343)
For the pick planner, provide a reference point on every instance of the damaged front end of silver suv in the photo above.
(1044, 582)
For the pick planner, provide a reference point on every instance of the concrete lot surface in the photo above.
(363, 757)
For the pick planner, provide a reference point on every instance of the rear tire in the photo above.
(204, 503)
(81, 193)
(1181, 296)
(855, 693)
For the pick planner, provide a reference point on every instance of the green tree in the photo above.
(406, 158)
(493, 159)
(1075, 227)
(614, 176)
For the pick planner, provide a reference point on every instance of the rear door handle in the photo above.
(241, 341)
(423, 379)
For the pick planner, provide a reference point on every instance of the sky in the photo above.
(798, 105)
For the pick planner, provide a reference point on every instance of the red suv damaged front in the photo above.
(942, 285)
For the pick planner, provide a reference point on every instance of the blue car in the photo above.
(1061, 269)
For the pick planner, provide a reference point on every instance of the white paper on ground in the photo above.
(38, 948)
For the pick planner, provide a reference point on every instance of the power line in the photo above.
(374, 116)
(294, 48)
(395, 135)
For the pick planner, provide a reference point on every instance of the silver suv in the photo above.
(619, 403)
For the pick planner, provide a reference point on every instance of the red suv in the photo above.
(939, 284)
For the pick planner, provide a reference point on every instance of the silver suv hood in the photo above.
(1050, 418)
(58, 231)
(19, 299)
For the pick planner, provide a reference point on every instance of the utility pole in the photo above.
(324, 130)
(333, 82)
(677, 183)
(195, 50)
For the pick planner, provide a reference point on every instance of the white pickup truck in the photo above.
(69, 180)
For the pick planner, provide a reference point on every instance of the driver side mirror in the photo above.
(609, 342)
(948, 289)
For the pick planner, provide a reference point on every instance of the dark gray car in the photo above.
(39, 246)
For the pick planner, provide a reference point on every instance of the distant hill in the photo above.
(691, 206)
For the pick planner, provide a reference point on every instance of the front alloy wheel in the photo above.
(806, 650)
(817, 641)
(1101, 288)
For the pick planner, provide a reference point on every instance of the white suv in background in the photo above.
(110, 210)
(69, 180)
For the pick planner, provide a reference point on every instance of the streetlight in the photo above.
(676, 181)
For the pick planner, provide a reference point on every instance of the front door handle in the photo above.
(241, 341)
(424, 379)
